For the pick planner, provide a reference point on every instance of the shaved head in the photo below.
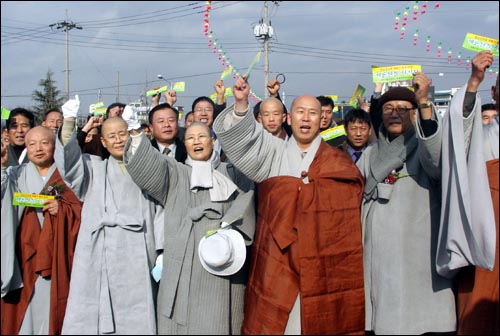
(115, 121)
(40, 130)
(40, 146)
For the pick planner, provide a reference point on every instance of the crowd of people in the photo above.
(252, 222)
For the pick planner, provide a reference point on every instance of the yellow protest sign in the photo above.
(31, 200)
(227, 93)
(97, 109)
(156, 91)
(333, 132)
(226, 73)
(394, 73)
(479, 43)
(360, 91)
(179, 86)
(335, 98)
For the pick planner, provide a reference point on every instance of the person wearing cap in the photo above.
(400, 216)
(209, 222)
(306, 273)
(468, 249)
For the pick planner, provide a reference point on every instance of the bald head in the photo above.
(310, 100)
(304, 118)
(114, 135)
(40, 131)
(112, 123)
(272, 115)
(40, 145)
(272, 101)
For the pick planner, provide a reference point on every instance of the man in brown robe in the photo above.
(306, 272)
(37, 244)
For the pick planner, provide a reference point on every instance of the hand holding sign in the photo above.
(421, 84)
(171, 97)
(480, 63)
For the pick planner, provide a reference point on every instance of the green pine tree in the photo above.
(47, 98)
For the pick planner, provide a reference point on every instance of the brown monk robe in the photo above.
(477, 298)
(48, 252)
(308, 240)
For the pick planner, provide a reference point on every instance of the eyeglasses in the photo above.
(388, 110)
(199, 137)
(117, 137)
(200, 109)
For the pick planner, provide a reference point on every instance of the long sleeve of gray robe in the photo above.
(191, 300)
(467, 233)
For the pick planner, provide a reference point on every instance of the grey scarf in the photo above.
(386, 156)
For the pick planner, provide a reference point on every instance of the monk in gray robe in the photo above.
(401, 209)
(468, 242)
(199, 197)
(38, 243)
(112, 290)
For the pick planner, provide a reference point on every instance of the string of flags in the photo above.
(217, 49)
(411, 15)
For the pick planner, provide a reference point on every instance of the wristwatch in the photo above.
(427, 104)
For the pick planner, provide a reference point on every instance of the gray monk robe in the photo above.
(190, 299)
(111, 289)
(404, 293)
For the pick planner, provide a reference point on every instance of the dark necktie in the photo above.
(166, 150)
(357, 154)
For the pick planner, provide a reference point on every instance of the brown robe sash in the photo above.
(46, 252)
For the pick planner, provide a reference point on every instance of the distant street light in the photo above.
(169, 82)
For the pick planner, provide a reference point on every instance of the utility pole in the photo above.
(66, 26)
(266, 51)
(118, 86)
(264, 31)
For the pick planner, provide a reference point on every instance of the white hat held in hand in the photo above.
(222, 253)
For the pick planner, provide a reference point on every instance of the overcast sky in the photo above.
(322, 47)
